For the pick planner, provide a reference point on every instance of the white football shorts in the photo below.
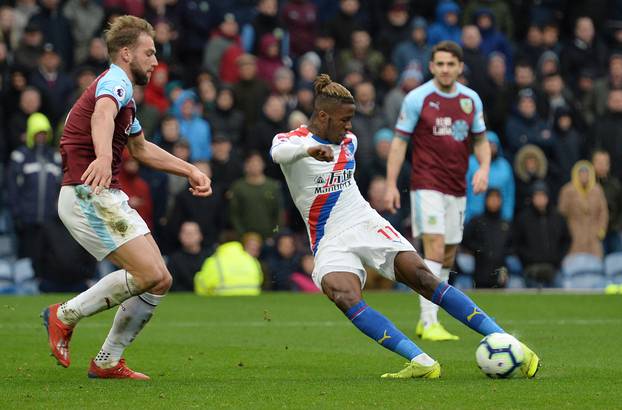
(100, 223)
(374, 243)
(436, 213)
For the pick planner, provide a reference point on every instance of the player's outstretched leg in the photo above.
(60, 319)
(411, 270)
(131, 318)
(344, 289)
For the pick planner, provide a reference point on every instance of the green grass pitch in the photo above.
(299, 351)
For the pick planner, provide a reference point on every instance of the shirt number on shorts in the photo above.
(389, 233)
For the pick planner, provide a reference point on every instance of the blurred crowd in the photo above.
(232, 74)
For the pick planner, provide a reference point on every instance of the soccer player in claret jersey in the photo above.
(443, 118)
(345, 233)
(96, 212)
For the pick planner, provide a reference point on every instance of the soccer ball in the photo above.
(499, 355)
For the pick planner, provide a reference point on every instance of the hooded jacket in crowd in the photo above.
(34, 175)
(440, 30)
(585, 209)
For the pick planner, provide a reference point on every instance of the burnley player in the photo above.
(443, 118)
(96, 212)
(346, 233)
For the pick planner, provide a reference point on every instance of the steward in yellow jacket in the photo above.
(230, 271)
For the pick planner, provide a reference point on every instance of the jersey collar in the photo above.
(320, 140)
(114, 67)
(444, 94)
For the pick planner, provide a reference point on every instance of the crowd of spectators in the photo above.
(233, 73)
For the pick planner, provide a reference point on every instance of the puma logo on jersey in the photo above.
(435, 104)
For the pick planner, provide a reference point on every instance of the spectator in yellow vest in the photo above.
(230, 271)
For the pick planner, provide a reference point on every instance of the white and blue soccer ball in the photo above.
(499, 355)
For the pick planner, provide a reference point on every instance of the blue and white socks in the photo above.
(461, 307)
(379, 328)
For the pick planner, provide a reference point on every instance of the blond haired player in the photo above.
(95, 210)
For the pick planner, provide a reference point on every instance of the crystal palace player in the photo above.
(345, 232)
(443, 118)
(96, 212)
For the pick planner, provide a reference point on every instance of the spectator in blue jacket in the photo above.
(501, 177)
(193, 127)
(33, 183)
(492, 39)
(446, 26)
(414, 51)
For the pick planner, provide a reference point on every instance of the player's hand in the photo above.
(392, 199)
(321, 153)
(480, 181)
(200, 184)
(98, 174)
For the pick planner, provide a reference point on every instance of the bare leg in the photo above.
(412, 271)
(343, 289)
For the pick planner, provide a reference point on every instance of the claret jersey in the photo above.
(76, 144)
(440, 126)
(325, 193)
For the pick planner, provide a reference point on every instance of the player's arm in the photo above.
(155, 157)
(286, 150)
(395, 160)
(404, 128)
(99, 172)
(481, 149)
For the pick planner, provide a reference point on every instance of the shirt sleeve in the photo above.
(116, 88)
(136, 128)
(478, 125)
(355, 142)
(409, 115)
(286, 149)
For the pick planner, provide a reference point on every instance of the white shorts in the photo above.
(374, 243)
(100, 223)
(436, 213)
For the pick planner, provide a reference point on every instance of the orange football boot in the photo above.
(59, 334)
(120, 371)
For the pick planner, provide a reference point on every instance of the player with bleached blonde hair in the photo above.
(96, 211)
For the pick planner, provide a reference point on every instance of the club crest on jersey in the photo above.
(432, 220)
(119, 92)
(467, 105)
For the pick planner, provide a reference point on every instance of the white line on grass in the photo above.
(328, 323)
